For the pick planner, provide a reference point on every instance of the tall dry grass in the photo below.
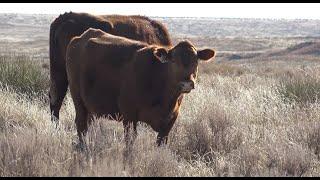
(23, 74)
(232, 124)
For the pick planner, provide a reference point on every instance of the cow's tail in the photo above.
(53, 49)
(52, 43)
(54, 57)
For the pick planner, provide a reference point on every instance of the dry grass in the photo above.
(232, 124)
(223, 69)
(23, 74)
(301, 86)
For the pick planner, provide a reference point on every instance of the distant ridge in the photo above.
(305, 48)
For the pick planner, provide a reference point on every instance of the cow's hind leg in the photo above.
(82, 122)
(58, 89)
(129, 135)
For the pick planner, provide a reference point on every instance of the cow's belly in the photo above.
(109, 107)
(101, 102)
(100, 92)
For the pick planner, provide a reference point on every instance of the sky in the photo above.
(218, 10)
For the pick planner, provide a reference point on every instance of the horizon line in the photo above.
(157, 16)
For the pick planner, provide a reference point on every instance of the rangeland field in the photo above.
(255, 110)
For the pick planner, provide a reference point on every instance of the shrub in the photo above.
(23, 75)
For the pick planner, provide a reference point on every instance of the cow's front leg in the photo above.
(162, 138)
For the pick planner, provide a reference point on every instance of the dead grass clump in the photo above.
(302, 87)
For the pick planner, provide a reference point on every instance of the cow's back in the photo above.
(139, 28)
(69, 25)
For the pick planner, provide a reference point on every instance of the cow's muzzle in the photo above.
(186, 86)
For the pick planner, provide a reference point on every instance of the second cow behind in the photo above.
(111, 75)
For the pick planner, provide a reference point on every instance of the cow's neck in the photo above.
(173, 100)
(172, 95)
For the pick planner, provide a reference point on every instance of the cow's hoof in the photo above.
(80, 147)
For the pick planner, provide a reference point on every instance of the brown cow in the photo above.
(69, 25)
(111, 75)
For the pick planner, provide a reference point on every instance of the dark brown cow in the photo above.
(111, 75)
(69, 25)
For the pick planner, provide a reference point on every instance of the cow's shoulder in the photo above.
(111, 49)
(150, 73)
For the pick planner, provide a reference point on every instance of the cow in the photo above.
(112, 75)
(71, 24)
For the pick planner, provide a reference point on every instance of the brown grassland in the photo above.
(247, 117)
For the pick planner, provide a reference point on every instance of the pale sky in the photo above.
(227, 10)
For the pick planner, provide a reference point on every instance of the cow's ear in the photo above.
(206, 54)
(161, 54)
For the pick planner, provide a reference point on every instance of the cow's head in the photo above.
(184, 59)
